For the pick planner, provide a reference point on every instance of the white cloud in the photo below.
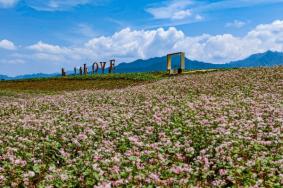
(175, 10)
(225, 48)
(179, 15)
(44, 47)
(50, 52)
(228, 4)
(192, 10)
(199, 17)
(236, 24)
(6, 44)
(12, 61)
(52, 5)
(48, 57)
(49, 5)
(8, 3)
(135, 44)
(85, 30)
(128, 45)
(55, 5)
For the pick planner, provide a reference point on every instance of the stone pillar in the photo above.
(169, 62)
(94, 68)
(81, 71)
(63, 72)
(112, 66)
(182, 56)
(102, 64)
(85, 69)
(75, 71)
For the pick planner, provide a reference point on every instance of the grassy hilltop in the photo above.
(216, 129)
(56, 85)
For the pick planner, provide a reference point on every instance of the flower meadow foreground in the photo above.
(219, 129)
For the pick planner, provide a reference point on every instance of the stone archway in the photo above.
(182, 62)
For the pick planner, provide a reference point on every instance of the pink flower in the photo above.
(103, 185)
(97, 158)
(2, 178)
(134, 139)
(222, 172)
(64, 177)
(116, 169)
(206, 162)
(118, 183)
(82, 136)
(157, 119)
(176, 169)
(154, 176)
(63, 153)
(140, 166)
(31, 174)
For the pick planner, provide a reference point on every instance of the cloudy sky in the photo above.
(43, 36)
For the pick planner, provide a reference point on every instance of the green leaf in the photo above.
(36, 168)
(132, 158)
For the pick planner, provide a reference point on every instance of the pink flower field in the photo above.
(218, 129)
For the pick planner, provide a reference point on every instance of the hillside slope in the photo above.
(221, 128)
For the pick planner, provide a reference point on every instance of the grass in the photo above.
(55, 85)
(146, 76)
(58, 85)
(73, 83)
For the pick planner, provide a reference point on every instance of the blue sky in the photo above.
(43, 36)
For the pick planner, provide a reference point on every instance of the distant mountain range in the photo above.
(3, 77)
(268, 58)
(159, 64)
(28, 76)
